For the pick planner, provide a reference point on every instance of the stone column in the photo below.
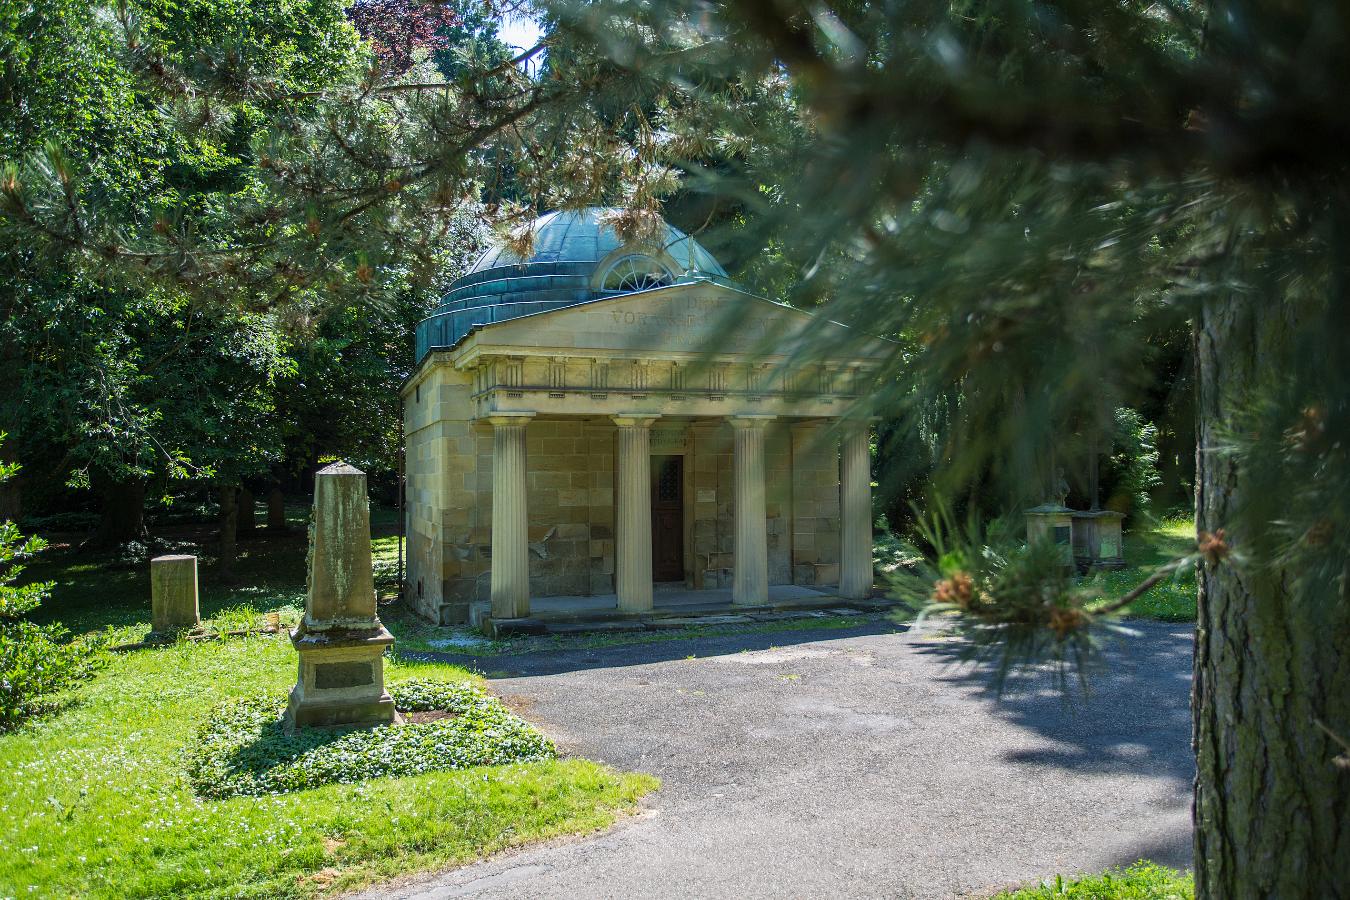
(510, 520)
(340, 640)
(173, 593)
(855, 512)
(750, 581)
(633, 531)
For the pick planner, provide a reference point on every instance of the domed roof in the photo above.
(576, 258)
(582, 237)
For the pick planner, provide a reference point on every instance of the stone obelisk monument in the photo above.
(341, 641)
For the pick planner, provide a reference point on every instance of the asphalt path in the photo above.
(849, 763)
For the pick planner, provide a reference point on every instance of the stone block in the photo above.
(454, 613)
(572, 531)
(173, 593)
(457, 464)
(695, 621)
(341, 679)
(500, 628)
(459, 590)
(546, 462)
(341, 584)
(573, 497)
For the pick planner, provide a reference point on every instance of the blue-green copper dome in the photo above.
(576, 258)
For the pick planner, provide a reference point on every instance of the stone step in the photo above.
(697, 621)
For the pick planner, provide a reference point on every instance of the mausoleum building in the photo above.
(609, 421)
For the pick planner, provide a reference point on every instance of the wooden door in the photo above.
(667, 518)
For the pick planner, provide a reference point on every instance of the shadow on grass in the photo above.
(273, 746)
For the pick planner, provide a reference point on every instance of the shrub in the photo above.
(37, 663)
(243, 748)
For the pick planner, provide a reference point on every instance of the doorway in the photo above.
(667, 518)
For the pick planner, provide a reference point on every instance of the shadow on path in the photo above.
(1129, 714)
(554, 662)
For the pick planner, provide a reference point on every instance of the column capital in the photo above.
(510, 418)
(635, 420)
(751, 420)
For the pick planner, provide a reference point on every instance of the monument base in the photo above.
(341, 679)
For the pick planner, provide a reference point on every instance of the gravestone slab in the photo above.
(173, 593)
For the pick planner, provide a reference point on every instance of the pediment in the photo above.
(699, 318)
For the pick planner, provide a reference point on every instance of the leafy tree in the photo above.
(398, 29)
(283, 181)
(1026, 194)
(37, 663)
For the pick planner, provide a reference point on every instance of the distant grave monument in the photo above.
(1097, 540)
(173, 593)
(1052, 522)
(341, 641)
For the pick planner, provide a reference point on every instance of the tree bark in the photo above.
(248, 520)
(229, 522)
(1272, 671)
(276, 509)
(121, 511)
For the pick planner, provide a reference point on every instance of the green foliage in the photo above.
(1141, 881)
(244, 749)
(1129, 473)
(113, 378)
(37, 663)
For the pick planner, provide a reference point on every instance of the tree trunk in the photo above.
(276, 509)
(1272, 805)
(121, 511)
(248, 521)
(229, 522)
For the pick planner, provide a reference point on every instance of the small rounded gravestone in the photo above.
(173, 593)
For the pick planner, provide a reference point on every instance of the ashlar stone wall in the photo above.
(571, 493)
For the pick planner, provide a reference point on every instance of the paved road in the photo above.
(851, 764)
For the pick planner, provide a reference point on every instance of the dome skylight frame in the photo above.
(636, 272)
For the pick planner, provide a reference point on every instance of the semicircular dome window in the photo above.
(636, 273)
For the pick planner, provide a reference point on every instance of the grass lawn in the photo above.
(1172, 600)
(1141, 881)
(97, 802)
